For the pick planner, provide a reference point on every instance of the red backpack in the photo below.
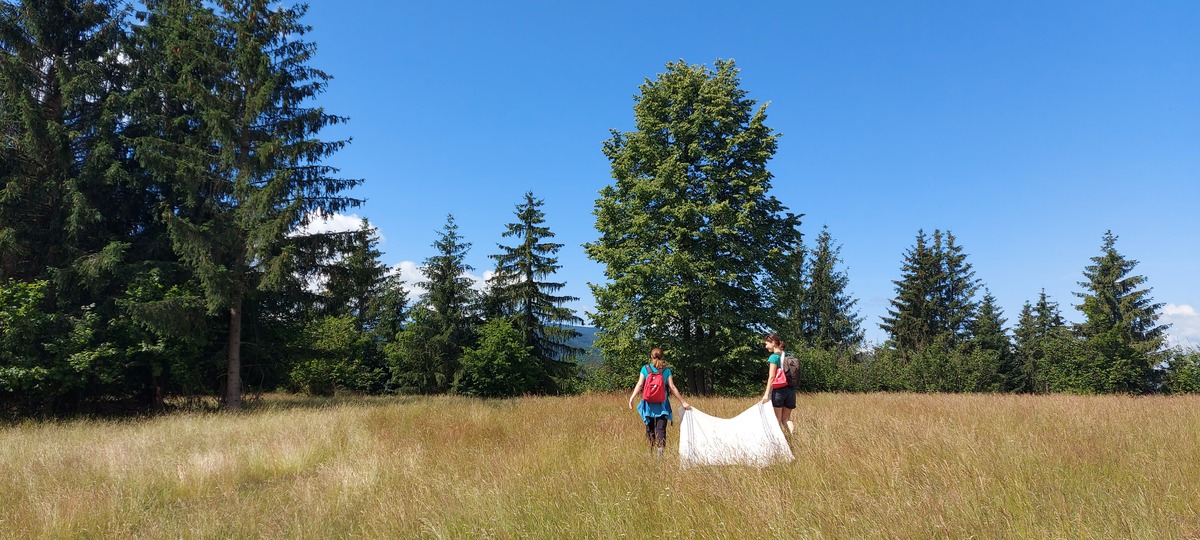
(655, 390)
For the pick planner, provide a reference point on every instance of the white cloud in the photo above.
(1174, 310)
(410, 276)
(335, 223)
(1185, 325)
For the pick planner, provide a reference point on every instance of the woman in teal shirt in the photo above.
(656, 415)
(782, 399)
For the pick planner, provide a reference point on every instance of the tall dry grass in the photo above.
(868, 466)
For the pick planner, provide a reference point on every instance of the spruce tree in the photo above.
(449, 313)
(788, 288)
(910, 322)
(827, 310)
(525, 296)
(689, 232)
(1045, 349)
(1120, 321)
(955, 302)
(990, 343)
(354, 276)
(934, 297)
(235, 139)
(60, 78)
(75, 217)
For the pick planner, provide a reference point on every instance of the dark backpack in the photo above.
(791, 368)
(654, 390)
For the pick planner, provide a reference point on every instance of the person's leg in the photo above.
(660, 431)
(789, 405)
(650, 432)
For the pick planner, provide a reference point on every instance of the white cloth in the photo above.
(750, 438)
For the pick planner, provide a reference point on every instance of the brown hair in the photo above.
(656, 356)
(773, 339)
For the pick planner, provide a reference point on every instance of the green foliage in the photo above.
(342, 358)
(688, 231)
(1120, 325)
(603, 377)
(416, 357)
(228, 132)
(826, 310)
(26, 370)
(501, 365)
(1182, 372)
(934, 297)
(520, 292)
(426, 356)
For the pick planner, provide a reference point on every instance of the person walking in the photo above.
(782, 398)
(654, 380)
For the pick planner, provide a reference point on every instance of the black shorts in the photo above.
(783, 398)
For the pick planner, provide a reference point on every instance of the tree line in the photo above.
(162, 165)
(701, 259)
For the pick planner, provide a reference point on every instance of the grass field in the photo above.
(868, 466)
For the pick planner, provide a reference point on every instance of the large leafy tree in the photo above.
(689, 233)
(1120, 324)
(525, 295)
(232, 134)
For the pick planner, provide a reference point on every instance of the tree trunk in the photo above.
(233, 386)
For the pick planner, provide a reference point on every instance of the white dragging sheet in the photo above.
(750, 438)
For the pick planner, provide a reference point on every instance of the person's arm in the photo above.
(637, 388)
(770, 377)
(671, 384)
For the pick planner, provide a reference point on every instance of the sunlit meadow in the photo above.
(874, 465)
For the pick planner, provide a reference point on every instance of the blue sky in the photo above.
(1027, 129)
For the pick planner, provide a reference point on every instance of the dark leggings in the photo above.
(656, 431)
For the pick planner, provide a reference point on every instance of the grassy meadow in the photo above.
(868, 466)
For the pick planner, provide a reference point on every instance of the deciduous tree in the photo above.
(689, 232)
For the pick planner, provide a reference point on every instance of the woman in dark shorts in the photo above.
(783, 399)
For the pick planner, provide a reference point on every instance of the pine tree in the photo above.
(989, 339)
(934, 297)
(688, 231)
(910, 322)
(955, 306)
(1039, 327)
(450, 304)
(355, 275)
(524, 296)
(827, 310)
(234, 139)
(1120, 321)
(59, 89)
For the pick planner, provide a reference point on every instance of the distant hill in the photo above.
(586, 341)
